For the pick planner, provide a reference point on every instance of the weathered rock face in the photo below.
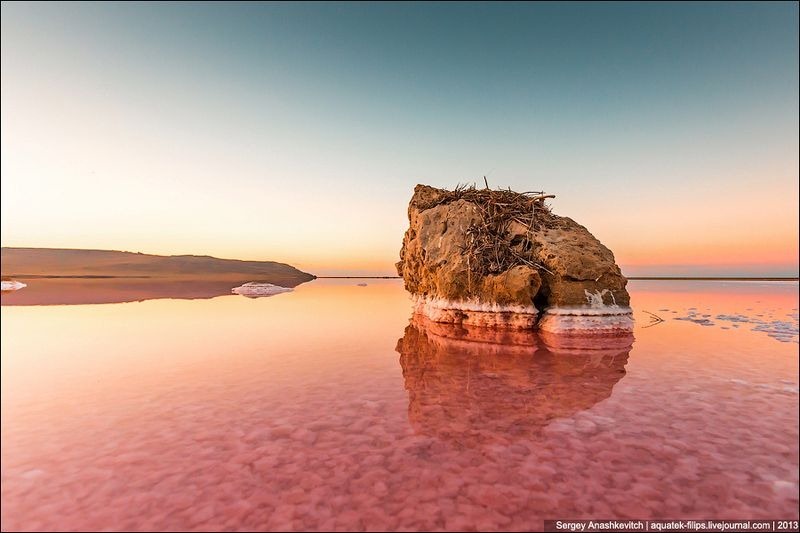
(496, 258)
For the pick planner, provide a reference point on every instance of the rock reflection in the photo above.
(474, 386)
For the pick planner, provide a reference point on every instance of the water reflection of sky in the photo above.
(297, 412)
(760, 306)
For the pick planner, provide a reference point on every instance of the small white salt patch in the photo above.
(255, 289)
(12, 285)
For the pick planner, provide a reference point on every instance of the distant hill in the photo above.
(22, 263)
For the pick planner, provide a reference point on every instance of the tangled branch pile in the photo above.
(491, 245)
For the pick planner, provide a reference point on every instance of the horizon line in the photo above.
(354, 276)
(633, 278)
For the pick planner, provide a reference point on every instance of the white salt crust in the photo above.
(255, 288)
(12, 285)
(593, 318)
(475, 313)
(608, 310)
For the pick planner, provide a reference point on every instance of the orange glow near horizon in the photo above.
(337, 231)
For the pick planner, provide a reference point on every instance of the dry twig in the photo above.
(654, 320)
(491, 248)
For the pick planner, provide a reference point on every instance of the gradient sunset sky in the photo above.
(296, 132)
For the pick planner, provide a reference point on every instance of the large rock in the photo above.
(496, 258)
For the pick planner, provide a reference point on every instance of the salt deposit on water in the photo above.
(12, 285)
(594, 317)
(778, 328)
(588, 320)
(254, 289)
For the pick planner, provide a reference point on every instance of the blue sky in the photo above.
(296, 132)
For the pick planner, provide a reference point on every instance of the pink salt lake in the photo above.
(326, 408)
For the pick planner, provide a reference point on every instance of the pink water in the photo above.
(326, 408)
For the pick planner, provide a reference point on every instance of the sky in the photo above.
(296, 132)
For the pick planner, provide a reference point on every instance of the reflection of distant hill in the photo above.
(465, 387)
(45, 291)
(22, 263)
(59, 276)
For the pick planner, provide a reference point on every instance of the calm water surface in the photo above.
(328, 408)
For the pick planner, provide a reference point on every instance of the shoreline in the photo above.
(709, 278)
(631, 278)
(47, 276)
